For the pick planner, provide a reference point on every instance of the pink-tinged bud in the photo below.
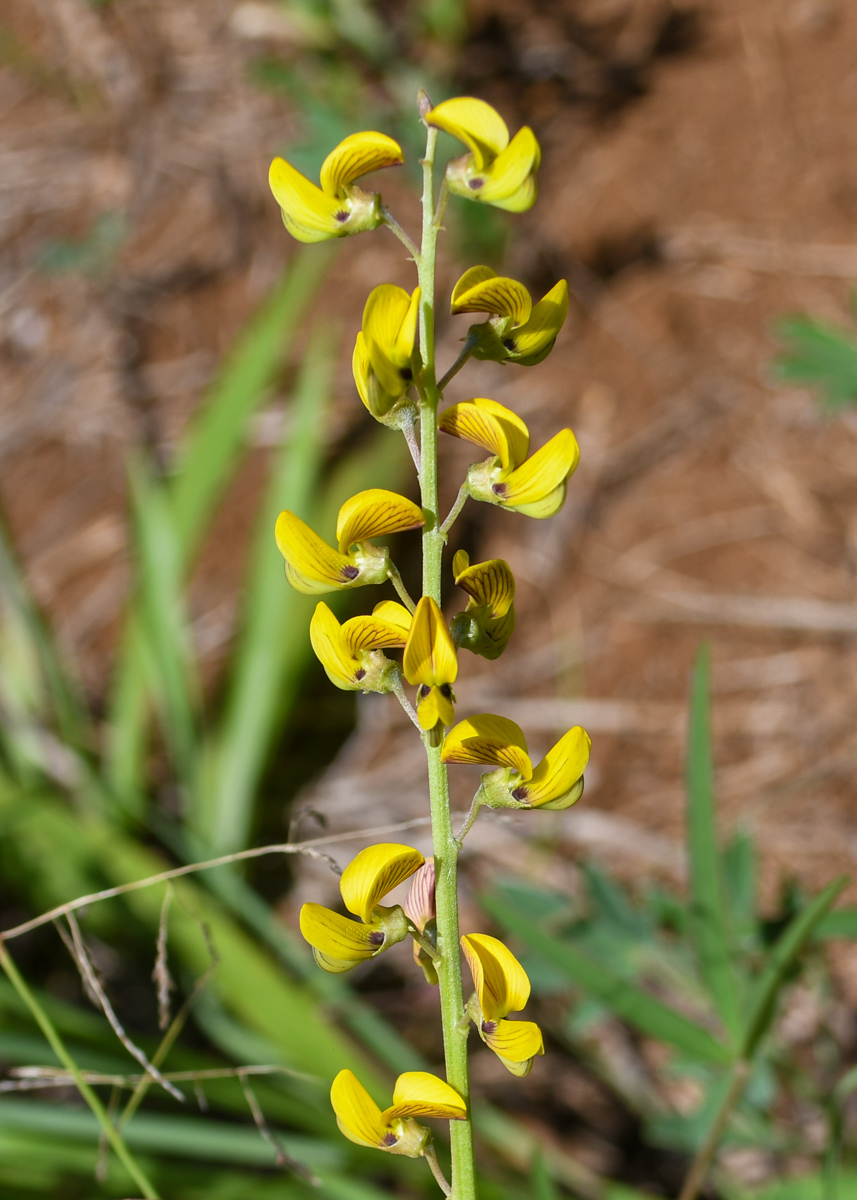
(420, 904)
(424, 104)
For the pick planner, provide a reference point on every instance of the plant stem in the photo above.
(452, 515)
(431, 1158)
(444, 844)
(466, 351)
(391, 223)
(402, 592)
(58, 1046)
(699, 1166)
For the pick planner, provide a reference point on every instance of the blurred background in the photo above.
(176, 370)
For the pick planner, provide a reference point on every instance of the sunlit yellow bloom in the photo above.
(487, 623)
(421, 910)
(502, 987)
(338, 207)
(431, 662)
(557, 782)
(383, 359)
(314, 567)
(338, 943)
(496, 171)
(535, 486)
(517, 330)
(351, 653)
(416, 1094)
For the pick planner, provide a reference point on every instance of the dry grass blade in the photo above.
(161, 973)
(283, 1159)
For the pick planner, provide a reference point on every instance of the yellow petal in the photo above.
(488, 424)
(543, 471)
(492, 741)
(548, 506)
(374, 513)
(357, 1114)
(394, 614)
(355, 156)
(373, 873)
(490, 583)
(339, 937)
(419, 1094)
(311, 565)
(390, 329)
(559, 772)
(468, 280)
(520, 201)
(332, 649)
(473, 122)
(532, 341)
(516, 1044)
(435, 704)
(507, 174)
(371, 633)
(360, 369)
(501, 982)
(429, 656)
(309, 214)
(500, 295)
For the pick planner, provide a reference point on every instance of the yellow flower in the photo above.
(338, 207)
(517, 330)
(557, 782)
(416, 1094)
(338, 944)
(430, 661)
(487, 623)
(496, 171)
(383, 359)
(502, 987)
(314, 567)
(535, 486)
(351, 653)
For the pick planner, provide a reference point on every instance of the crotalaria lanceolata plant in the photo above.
(395, 376)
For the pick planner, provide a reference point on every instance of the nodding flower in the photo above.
(314, 567)
(383, 363)
(430, 661)
(535, 486)
(338, 207)
(488, 621)
(517, 330)
(351, 653)
(416, 1094)
(497, 170)
(502, 987)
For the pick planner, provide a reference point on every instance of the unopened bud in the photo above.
(424, 104)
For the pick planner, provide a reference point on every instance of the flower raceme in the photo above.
(496, 171)
(430, 662)
(338, 207)
(488, 621)
(338, 943)
(557, 782)
(351, 653)
(516, 330)
(383, 359)
(314, 567)
(502, 987)
(535, 486)
(416, 1094)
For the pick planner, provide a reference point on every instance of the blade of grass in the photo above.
(707, 913)
(540, 1180)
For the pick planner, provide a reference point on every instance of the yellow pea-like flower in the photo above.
(338, 943)
(351, 653)
(314, 567)
(416, 1094)
(430, 662)
(534, 485)
(516, 330)
(497, 170)
(556, 783)
(338, 207)
(487, 623)
(502, 987)
(383, 360)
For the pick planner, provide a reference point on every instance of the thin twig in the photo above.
(28, 1079)
(161, 973)
(282, 1158)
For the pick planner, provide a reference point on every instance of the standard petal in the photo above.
(516, 1044)
(468, 280)
(419, 1094)
(311, 565)
(394, 614)
(501, 295)
(389, 327)
(357, 1114)
(533, 340)
(490, 583)
(429, 656)
(488, 424)
(373, 873)
(371, 633)
(374, 513)
(309, 214)
(507, 174)
(339, 937)
(489, 740)
(475, 123)
(501, 982)
(543, 471)
(559, 772)
(332, 649)
(355, 156)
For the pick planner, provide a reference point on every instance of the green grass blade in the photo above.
(780, 962)
(622, 997)
(707, 913)
(821, 356)
(541, 1181)
(839, 924)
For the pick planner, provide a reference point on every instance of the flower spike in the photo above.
(314, 567)
(416, 1094)
(351, 653)
(497, 171)
(487, 623)
(431, 662)
(338, 207)
(383, 360)
(535, 486)
(502, 987)
(517, 330)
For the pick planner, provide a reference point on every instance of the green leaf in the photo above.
(707, 915)
(541, 1180)
(622, 997)
(839, 924)
(820, 355)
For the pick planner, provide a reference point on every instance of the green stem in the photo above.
(58, 1046)
(452, 515)
(444, 844)
(402, 592)
(699, 1166)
